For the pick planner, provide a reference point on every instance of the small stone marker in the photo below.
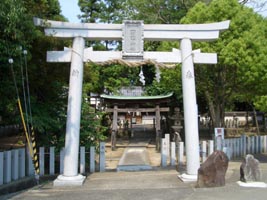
(92, 159)
(212, 172)
(163, 152)
(102, 159)
(249, 169)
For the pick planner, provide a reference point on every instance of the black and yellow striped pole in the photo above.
(35, 155)
(31, 144)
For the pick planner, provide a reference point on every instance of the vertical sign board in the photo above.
(133, 39)
(219, 137)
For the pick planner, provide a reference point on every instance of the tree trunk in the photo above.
(256, 120)
(216, 111)
(211, 108)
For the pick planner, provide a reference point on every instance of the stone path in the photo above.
(135, 157)
(149, 185)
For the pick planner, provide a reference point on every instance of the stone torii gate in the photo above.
(132, 34)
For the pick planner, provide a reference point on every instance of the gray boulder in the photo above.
(212, 172)
(249, 169)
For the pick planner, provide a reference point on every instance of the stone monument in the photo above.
(250, 170)
(212, 172)
(250, 174)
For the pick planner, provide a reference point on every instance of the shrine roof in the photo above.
(117, 97)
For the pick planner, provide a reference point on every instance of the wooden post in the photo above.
(158, 130)
(114, 127)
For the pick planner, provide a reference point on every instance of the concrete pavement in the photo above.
(159, 184)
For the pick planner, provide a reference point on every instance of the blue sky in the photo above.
(70, 9)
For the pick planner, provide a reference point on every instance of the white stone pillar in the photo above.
(30, 167)
(252, 144)
(163, 152)
(243, 145)
(249, 145)
(52, 160)
(42, 160)
(190, 108)
(167, 140)
(15, 164)
(61, 158)
(82, 160)
(265, 144)
(102, 157)
(22, 163)
(204, 150)
(92, 159)
(211, 147)
(238, 147)
(7, 166)
(181, 153)
(173, 155)
(262, 144)
(1, 168)
(72, 140)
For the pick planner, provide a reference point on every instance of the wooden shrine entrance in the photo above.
(135, 107)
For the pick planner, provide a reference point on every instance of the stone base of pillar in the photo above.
(187, 178)
(69, 180)
(252, 184)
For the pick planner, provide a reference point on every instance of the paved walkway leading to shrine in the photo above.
(149, 185)
(135, 157)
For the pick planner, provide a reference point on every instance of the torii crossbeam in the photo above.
(132, 34)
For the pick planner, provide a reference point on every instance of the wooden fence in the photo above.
(9, 130)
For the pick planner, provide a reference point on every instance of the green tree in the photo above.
(241, 70)
(46, 80)
(160, 11)
(92, 129)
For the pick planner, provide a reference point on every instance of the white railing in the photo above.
(16, 163)
(235, 148)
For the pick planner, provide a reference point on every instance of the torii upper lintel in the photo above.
(154, 32)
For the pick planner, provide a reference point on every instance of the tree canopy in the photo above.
(241, 70)
(239, 76)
